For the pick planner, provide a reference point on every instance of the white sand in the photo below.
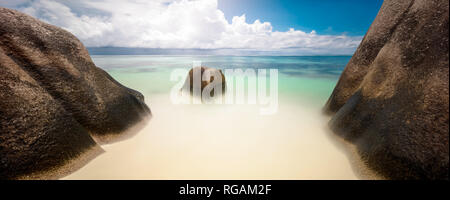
(225, 142)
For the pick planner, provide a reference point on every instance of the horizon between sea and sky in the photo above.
(282, 57)
(209, 27)
(210, 31)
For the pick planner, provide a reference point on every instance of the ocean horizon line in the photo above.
(200, 52)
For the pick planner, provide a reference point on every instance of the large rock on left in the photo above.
(55, 104)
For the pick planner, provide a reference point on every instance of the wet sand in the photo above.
(227, 142)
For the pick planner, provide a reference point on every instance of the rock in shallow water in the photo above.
(392, 99)
(208, 78)
(53, 100)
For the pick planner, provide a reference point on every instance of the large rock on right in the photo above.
(392, 99)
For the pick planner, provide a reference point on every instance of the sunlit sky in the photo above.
(352, 17)
(301, 26)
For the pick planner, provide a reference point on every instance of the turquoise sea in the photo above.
(227, 141)
(311, 77)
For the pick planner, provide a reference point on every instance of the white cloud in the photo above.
(174, 24)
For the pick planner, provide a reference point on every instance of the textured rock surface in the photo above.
(392, 99)
(207, 75)
(53, 100)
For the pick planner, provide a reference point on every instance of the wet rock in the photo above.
(208, 77)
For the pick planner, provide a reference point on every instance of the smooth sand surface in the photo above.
(226, 142)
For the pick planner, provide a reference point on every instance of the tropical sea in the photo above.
(186, 141)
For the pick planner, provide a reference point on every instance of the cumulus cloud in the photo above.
(195, 24)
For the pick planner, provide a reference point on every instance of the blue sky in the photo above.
(324, 16)
(302, 27)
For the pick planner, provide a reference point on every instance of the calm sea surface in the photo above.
(227, 141)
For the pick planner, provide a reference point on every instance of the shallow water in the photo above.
(227, 141)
